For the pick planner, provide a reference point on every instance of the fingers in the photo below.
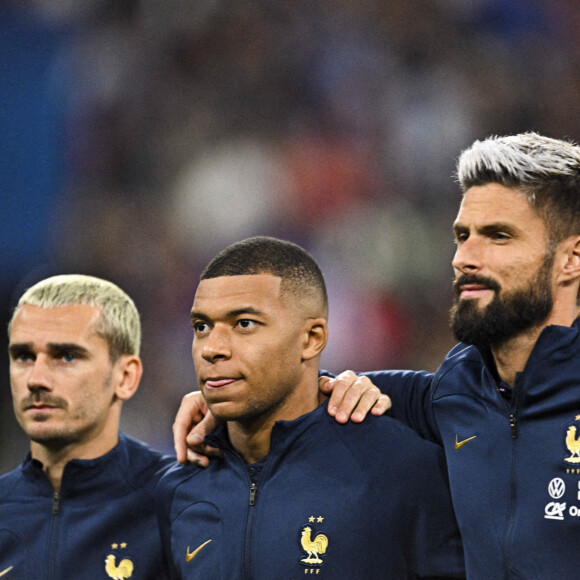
(371, 401)
(325, 385)
(197, 451)
(191, 412)
(198, 432)
(203, 457)
(341, 385)
(382, 405)
(196, 458)
(181, 427)
(353, 397)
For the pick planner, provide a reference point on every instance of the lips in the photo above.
(471, 286)
(219, 382)
(472, 290)
(40, 407)
(34, 404)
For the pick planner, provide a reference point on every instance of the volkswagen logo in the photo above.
(556, 488)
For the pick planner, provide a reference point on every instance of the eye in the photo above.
(68, 357)
(461, 237)
(200, 327)
(246, 324)
(23, 357)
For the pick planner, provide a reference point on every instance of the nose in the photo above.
(467, 258)
(39, 376)
(216, 345)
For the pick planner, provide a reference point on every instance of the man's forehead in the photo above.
(495, 203)
(228, 290)
(53, 324)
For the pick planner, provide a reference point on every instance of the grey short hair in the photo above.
(545, 170)
(119, 323)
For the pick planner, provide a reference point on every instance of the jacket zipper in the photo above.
(56, 503)
(513, 422)
(253, 492)
(248, 535)
(56, 500)
(514, 426)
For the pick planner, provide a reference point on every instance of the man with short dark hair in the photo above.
(295, 493)
(505, 402)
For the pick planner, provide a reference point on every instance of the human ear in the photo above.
(570, 271)
(315, 338)
(127, 373)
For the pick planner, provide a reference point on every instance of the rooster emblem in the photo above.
(122, 571)
(573, 445)
(313, 548)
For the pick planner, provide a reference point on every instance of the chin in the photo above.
(50, 438)
(225, 410)
(479, 303)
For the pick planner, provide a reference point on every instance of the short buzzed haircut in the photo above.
(545, 170)
(119, 323)
(298, 270)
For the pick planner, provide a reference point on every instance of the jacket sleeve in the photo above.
(164, 491)
(437, 551)
(410, 393)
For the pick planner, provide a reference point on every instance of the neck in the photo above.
(54, 458)
(251, 437)
(251, 441)
(512, 356)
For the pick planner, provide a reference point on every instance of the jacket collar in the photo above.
(284, 433)
(102, 474)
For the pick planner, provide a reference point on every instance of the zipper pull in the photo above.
(56, 503)
(253, 491)
(513, 426)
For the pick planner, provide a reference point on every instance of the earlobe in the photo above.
(568, 261)
(316, 338)
(571, 269)
(128, 375)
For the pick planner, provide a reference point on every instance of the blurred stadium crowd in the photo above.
(139, 137)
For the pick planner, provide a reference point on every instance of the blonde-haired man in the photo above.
(81, 503)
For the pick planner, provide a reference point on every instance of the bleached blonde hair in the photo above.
(545, 170)
(119, 323)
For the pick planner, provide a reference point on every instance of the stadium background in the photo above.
(139, 137)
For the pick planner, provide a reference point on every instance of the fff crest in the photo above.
(313, 543)
(118, 570)
(572, 441)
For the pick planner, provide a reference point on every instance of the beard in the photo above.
(507, 315)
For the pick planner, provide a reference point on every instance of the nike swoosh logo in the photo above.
(189, 556)
(6, 571)
(459, 444)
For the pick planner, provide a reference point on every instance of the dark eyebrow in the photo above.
(198, 316)
(246, 310)
(486, 229)
(54, 348)
(68, 347)
(229, 314)
(457, 228)
(497, 227)
(17, 349)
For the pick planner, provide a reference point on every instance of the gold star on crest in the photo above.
(311, 519)
(114, 546)
(577, 417)
(320, 519)
(123, 544)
